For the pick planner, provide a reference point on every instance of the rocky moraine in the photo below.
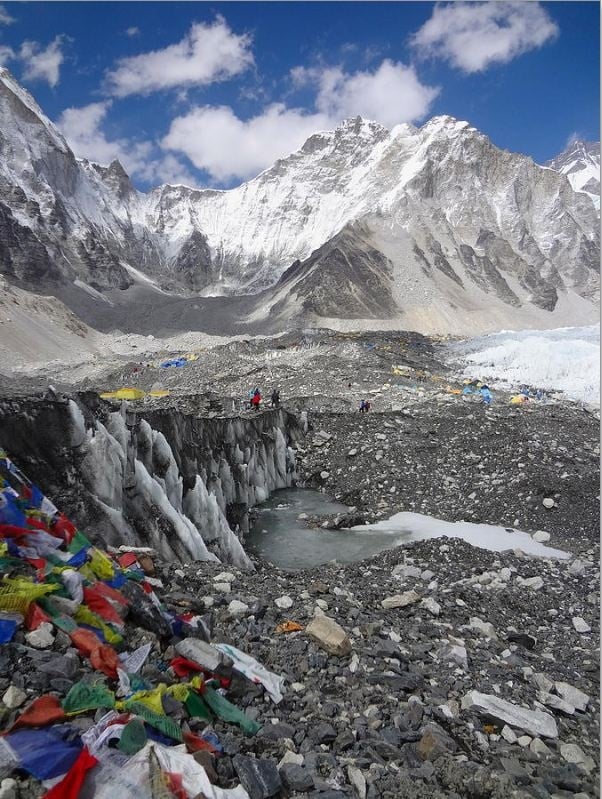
(436, 669)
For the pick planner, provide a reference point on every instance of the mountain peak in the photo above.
(580, 162)
(361, 127)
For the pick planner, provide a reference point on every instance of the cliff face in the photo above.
(180, 484)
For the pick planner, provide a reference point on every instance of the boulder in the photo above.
(13, 697)
(202, 653)
(574, 754)
(536, 722)
(433, 607)
(41, 637)
(484, 627)
(581, 625)
(329, 635)
(572, 695)
(237, 609)
(556, 703)
(400, 600)
(260, 778)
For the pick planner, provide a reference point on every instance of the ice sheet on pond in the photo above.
(282, 538)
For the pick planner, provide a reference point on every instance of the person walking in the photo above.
(275, 399)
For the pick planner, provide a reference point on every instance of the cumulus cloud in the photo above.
(227, 147)
(215, 139)
(390, 94)
(473, 36)
(6, 54)
(42, 63)
(208, 53)
(82, 127)
(5, 17)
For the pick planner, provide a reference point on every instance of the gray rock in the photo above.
(13, 697)
(512, 767)
(431, 605)
(260, 778)
(324, 733)
(296, 778)
(581, 625)
(42, 637)
(237, 609)
(358, 781)
(535, 722)
(329, 635)
(434, 743)
(572, 695)
(484, 627)
(534, 583)
(202, 653)
(400, 600)
(539, 748)
(573, 753)
(556, 702)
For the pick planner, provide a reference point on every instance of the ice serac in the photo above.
(180, 484)
(433, 228)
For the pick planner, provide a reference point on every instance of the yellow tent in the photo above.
(123, 394)
(519, 399)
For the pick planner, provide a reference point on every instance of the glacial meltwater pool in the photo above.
(280, 537)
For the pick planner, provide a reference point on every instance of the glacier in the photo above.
(565, 359)
(137, 489)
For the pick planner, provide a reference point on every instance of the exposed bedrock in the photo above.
(161, 478)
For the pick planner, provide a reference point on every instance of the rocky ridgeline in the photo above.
(437, 670)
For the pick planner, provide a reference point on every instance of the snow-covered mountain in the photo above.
(433, 228)
(580, 162)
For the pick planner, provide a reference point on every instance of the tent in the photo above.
(123, 394)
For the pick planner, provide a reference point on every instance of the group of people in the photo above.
(364, 406)
(255, 398)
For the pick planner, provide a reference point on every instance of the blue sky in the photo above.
(212, 93)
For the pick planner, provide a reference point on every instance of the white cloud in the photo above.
(472, 36)
(391, 94)
(573, 138)
(227, 147)
(132, 31)
(6, 54)
(166, 168)
(42, 63)
(82, 127)
(5, 17)
(208, 53)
